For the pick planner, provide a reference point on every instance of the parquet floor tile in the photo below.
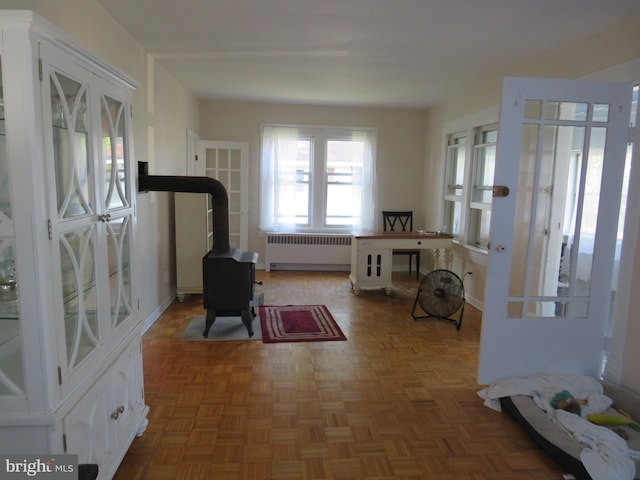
(396, 401)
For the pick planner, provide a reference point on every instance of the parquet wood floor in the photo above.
(396, 401)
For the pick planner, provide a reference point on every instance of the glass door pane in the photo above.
(73, 169)
(11, 368)
(119, 267)
(80, 293)
(224, 162)
(114, 152)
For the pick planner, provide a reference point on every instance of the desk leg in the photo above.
(448, 258)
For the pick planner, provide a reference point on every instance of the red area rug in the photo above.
(298, 323)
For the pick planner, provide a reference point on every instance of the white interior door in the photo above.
(227, 162)
(561, 153)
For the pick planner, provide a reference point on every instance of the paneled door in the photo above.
(227, 162)
(561, 155)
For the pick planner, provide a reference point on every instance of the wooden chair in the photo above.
(393, 221)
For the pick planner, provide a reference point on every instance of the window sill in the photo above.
(310, 231)
(477, 255)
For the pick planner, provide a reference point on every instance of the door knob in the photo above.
(500, 191)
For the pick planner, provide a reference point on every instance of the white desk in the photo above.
(371, 255)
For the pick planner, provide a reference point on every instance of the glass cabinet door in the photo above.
(11, 366)
(75, 224)
(115, 197)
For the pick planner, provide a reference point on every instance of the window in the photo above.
(456, 156)
(470, 163)
(317, 179)
(484, 162)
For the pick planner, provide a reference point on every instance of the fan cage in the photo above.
(440, 295)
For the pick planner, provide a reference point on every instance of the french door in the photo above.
(227, 162)
(561, 155)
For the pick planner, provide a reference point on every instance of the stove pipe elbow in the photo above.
(190, 184)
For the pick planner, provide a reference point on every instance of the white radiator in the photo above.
(299, 251)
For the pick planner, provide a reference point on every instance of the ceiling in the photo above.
(405, 53)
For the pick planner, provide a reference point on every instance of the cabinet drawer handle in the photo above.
(117, 413)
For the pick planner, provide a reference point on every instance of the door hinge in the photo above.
(40, 73)
(49, 230)
(196, 158)
(59, 375)
(64, 442)
(631, 134)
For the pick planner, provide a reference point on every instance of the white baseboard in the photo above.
(151, 319)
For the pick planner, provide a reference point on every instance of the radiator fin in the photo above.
(309, 239)
(307, 251)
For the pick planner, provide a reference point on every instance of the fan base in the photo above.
(457, 322)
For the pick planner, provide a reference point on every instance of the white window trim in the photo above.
(334, 132)
(466, 126)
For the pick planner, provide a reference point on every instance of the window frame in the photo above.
(319, 175)
(472, 128)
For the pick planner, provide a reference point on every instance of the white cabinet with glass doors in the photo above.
(70, 333)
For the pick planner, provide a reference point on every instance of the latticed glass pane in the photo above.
(11, 373)
(119, 257)
(74, 185)
(557, 209)
(522, 217)
(114, 153)
(567, 111)
(78, 275)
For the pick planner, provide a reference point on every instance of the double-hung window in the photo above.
(470, 164)
(456, 160)
(317, 179)
(484, 162)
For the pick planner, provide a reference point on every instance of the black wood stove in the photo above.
(228, 273)
(228, 281)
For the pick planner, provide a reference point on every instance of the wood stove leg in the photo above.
(211, 317)
(247, 319)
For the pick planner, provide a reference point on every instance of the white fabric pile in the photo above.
(605, 455)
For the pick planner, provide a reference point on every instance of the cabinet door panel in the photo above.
(127, 391)
(86, 427)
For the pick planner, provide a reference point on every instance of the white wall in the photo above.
(162, 111)
(400, 150)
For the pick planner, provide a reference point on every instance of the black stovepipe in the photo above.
(189, 184)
